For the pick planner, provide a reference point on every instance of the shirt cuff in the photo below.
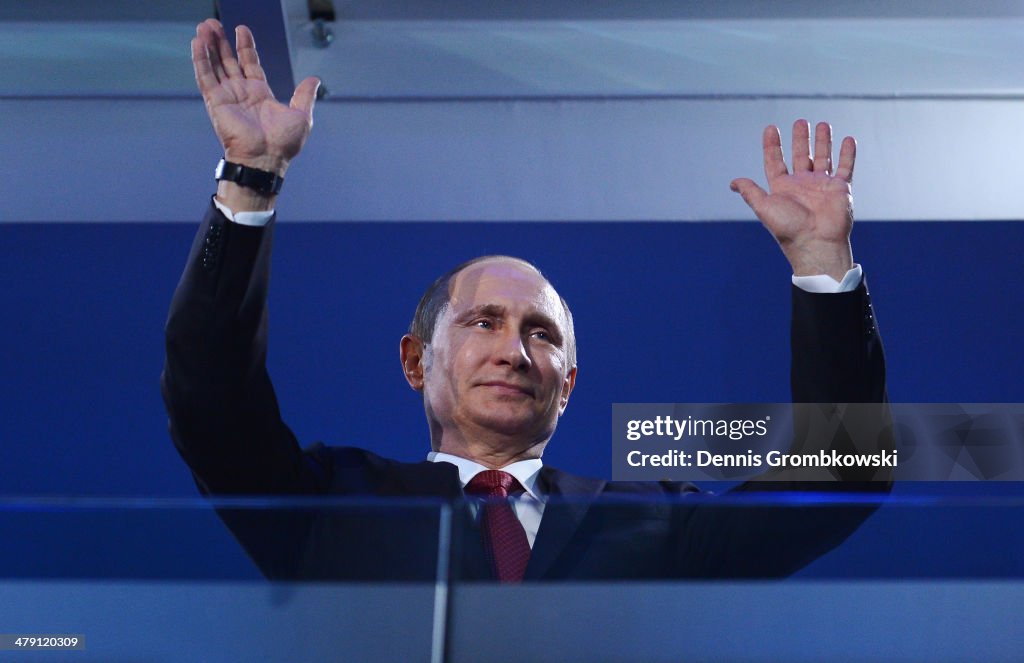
(244, 218)
(823, 283)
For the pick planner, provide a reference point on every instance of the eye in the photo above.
(542, 335)
(484, 324)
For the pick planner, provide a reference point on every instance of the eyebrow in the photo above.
(531, 318)
(492, 310)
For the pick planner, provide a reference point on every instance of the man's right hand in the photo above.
(255, 129)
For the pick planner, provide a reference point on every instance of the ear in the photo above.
(567, 385)
(411, 353)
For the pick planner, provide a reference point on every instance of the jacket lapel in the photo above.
(424, 479)
(441, 480)
(571, 497)
(563, 514)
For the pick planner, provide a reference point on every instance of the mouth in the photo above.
(510, 388)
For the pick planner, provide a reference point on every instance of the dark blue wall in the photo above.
(691, 312)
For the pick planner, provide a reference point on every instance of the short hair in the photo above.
(436, 298)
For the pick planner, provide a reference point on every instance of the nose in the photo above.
(511, 351)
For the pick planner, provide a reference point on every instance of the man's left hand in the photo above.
(808, 211)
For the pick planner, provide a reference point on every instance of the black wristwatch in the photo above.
(262, 181)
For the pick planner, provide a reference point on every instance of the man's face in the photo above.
(498, 361)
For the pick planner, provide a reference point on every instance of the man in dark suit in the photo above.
(492, 351)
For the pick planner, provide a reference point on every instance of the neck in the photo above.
(493, 451)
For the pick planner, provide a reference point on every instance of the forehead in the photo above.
(504, 282)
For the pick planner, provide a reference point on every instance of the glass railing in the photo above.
(937, 569)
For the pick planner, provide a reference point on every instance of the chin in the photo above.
(511, 425)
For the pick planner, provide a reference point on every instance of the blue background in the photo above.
(685, 312)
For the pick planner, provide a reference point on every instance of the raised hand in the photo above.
(255, 129)
(808, 211)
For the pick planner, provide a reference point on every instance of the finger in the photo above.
(801, 146)
(752, 194)
(227, 56)
(823, 148)
(205, 78)
(207, 33)
(847, 157)
(305, 96)
(774, 162)
(248, 58)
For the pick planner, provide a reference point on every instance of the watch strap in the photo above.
(262, 181)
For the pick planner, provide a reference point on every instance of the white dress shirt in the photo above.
(528, 507)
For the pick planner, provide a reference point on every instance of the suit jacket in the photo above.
(225, 422)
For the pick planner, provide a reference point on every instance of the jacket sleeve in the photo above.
(836, 350)
(223, 415)
(836, 359)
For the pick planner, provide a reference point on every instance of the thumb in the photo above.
(753, 195)
(305, 95)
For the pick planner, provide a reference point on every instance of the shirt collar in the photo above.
(525, 471)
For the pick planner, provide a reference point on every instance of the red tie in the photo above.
(504, 537)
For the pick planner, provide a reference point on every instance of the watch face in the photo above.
(219, 171)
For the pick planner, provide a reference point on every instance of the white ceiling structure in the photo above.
(454, 49)
(937, 84)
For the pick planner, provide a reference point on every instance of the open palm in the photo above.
(254, 128)
(809, 211)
